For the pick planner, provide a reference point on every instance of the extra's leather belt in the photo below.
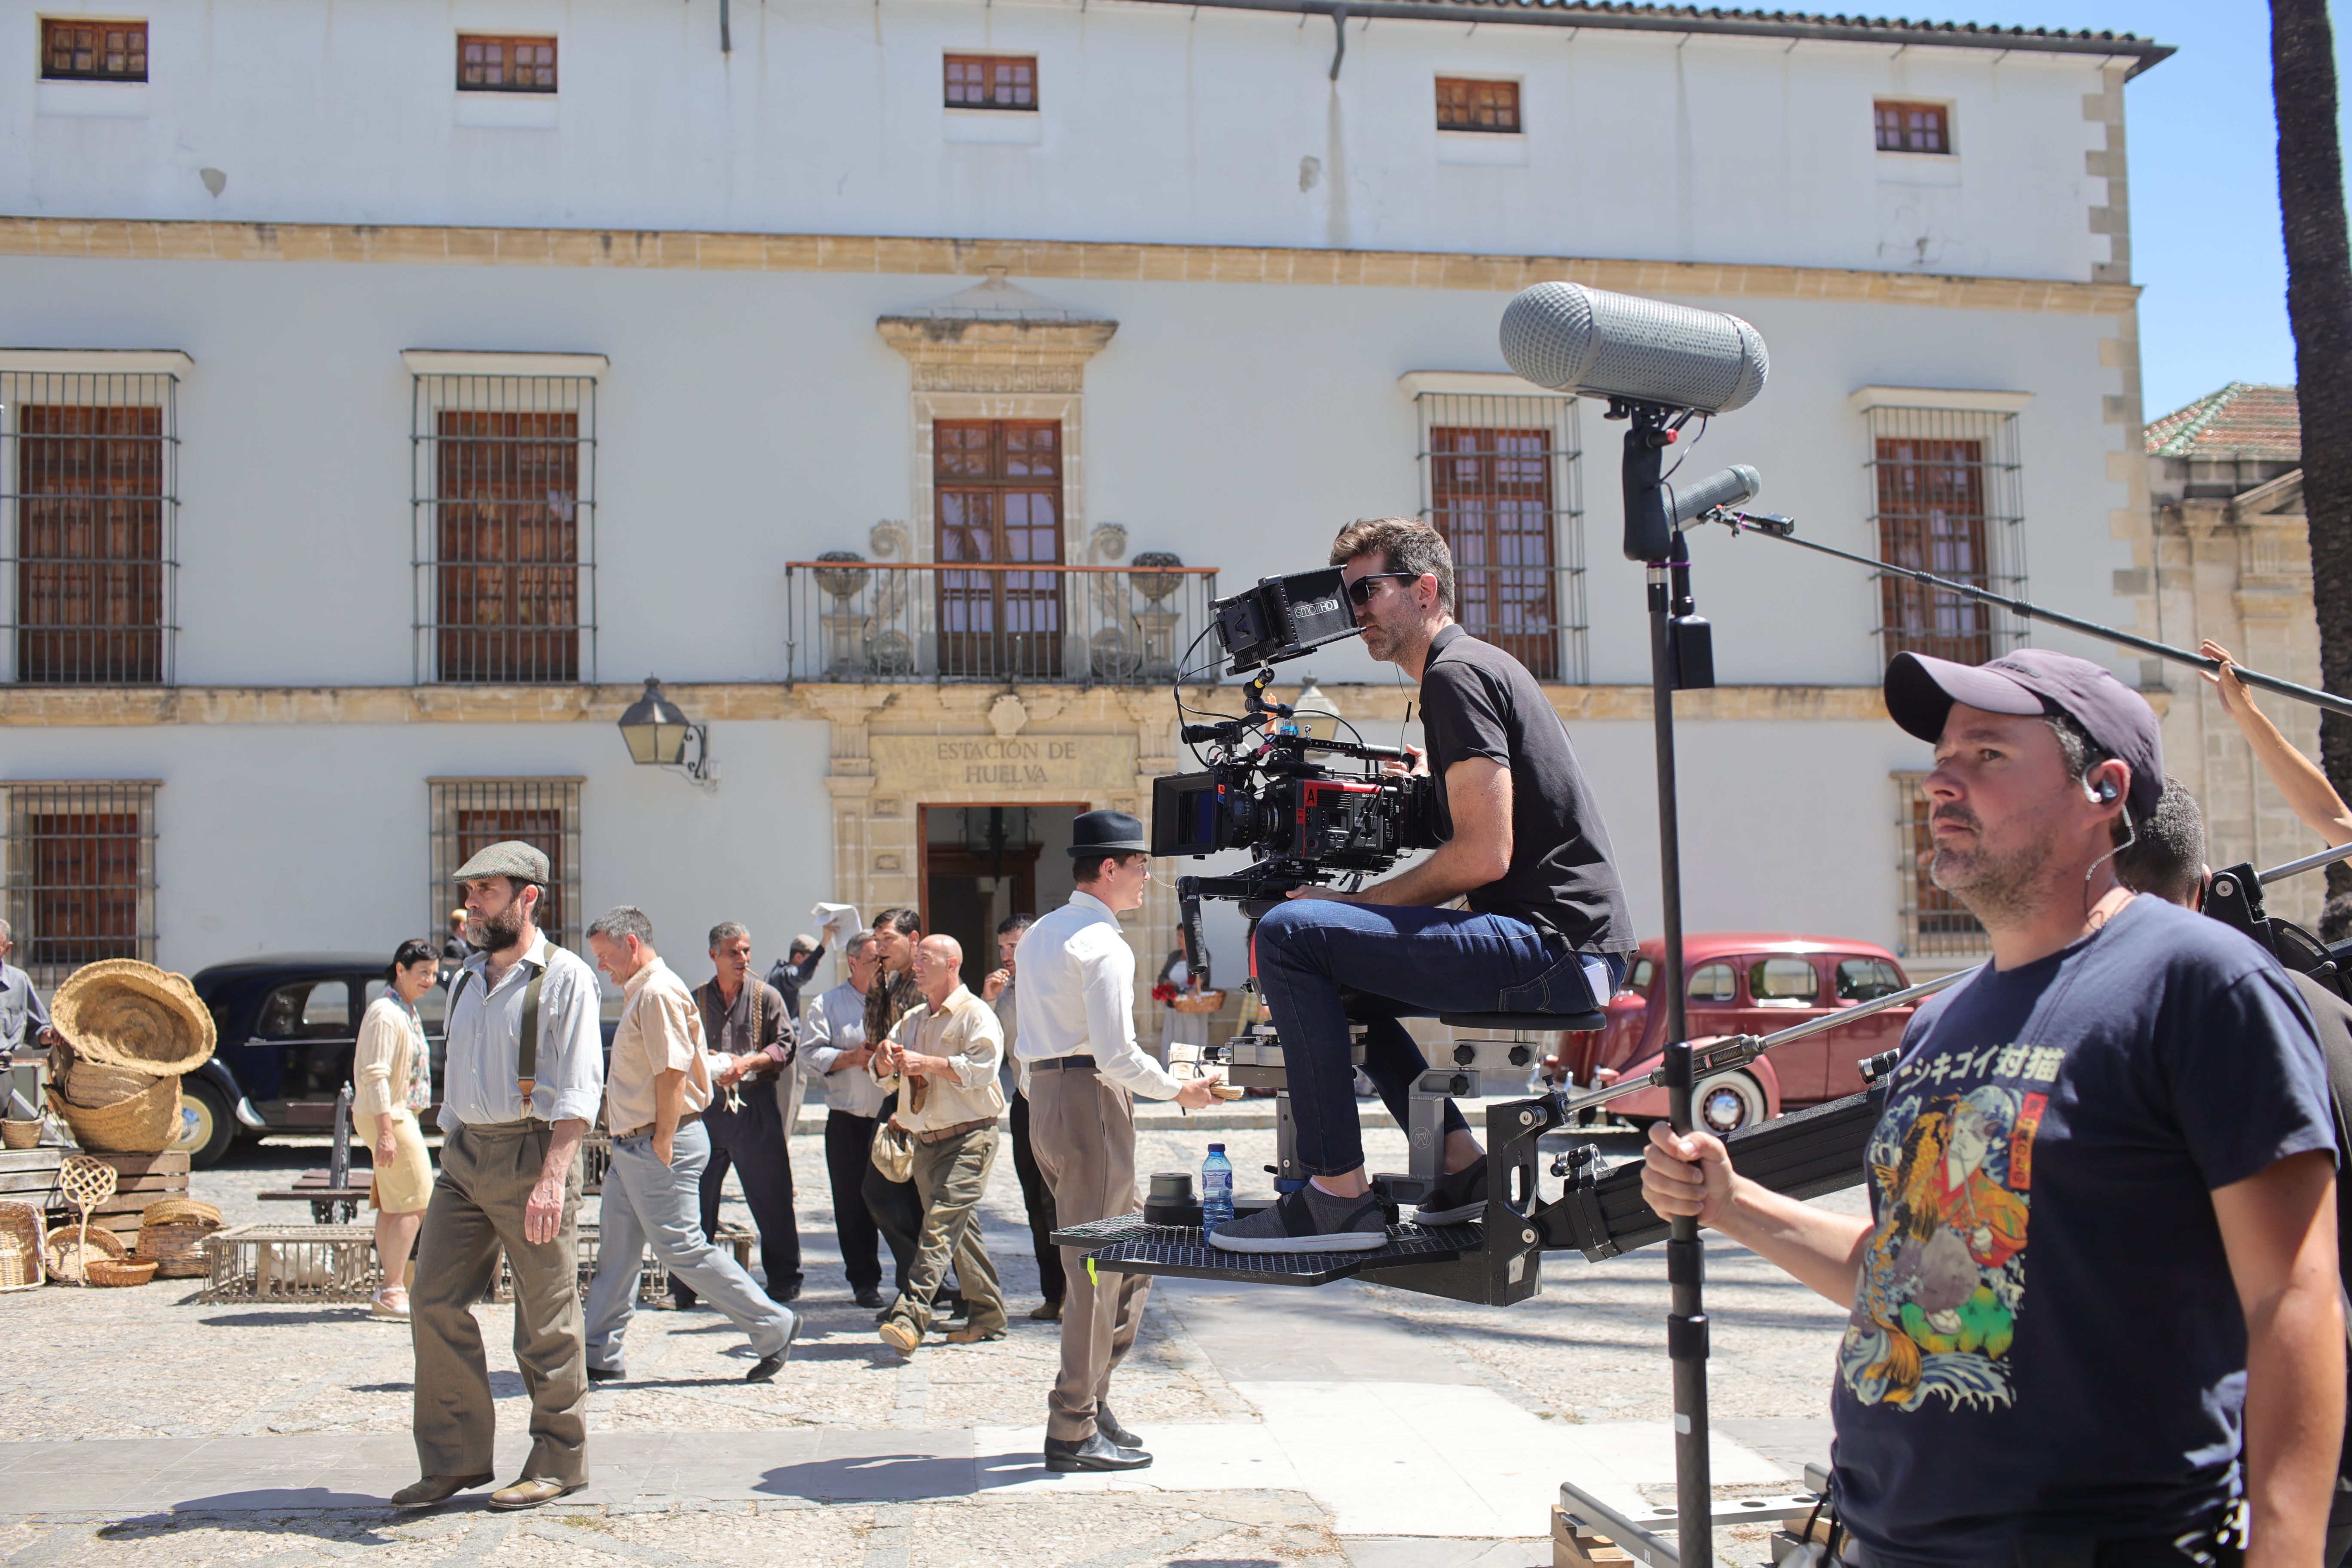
(941, 1134)
(688, 1120)
(1051, 1064)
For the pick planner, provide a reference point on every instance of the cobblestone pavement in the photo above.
(1213, 1360)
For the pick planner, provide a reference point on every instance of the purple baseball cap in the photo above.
(1920, 692)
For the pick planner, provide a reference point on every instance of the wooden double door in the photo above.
(999, 487)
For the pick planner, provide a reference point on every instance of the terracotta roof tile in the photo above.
(2241, 420)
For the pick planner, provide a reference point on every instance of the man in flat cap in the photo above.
(1077, 1037)
(525, 1075)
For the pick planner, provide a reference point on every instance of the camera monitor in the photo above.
(1283, 618)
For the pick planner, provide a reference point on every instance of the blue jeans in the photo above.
(648, 1202)
(1406, 962)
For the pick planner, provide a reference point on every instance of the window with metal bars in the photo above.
(81, 873)
(90, 503)
(74, 50)
(992, 81)
(1499, 482)
(999, 487)
(1947, 484)
(468, 816)
(1912, 127)
(486, 64)
(1467, 103)
(504, 482)
(1935, 923)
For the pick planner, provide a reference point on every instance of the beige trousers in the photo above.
(950, 1177)
(487, 1174)
(1082, 1130)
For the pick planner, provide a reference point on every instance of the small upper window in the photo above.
(1466, 104)
(1914, 127)
(992, 81)
(486, 64)
(93, 51)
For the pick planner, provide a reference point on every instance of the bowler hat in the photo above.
(1106, 833)
(508, 858)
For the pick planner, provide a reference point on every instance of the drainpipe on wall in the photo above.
(1338, 27)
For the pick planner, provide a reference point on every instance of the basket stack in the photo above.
(132, 1030)
(172, 1237)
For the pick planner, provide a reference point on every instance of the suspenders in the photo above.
(527, 1053)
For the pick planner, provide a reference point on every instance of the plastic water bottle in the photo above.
(1216, 1189)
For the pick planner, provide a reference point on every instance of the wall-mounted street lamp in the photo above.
(1314, 714)
(657, 733)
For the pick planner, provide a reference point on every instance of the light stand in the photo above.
(1681, 656)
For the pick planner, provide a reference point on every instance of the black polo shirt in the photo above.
(1478, 701)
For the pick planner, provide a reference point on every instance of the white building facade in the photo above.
(390, 390)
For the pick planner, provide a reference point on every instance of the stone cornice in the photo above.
(735, 703)
(127, 240)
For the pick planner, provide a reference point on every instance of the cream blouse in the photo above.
(391, 1054)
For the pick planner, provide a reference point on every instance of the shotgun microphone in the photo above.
(1733, 486)
(1571, 338)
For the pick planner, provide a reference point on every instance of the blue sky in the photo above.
(2204, 185)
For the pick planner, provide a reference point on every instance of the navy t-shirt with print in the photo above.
(2045, 1338)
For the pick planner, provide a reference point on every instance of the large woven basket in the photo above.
(121, 1013)
(65, 1250)
(171, 1235)
(20, 1247)
(145, 1123)
(91, 1085)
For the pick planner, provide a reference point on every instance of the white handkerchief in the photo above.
(838, 918)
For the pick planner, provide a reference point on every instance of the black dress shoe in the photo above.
(1108, 1425)
(605, 1375)
(788, 1294)
(1096, 1452)
(871, 1296)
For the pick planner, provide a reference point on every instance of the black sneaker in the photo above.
(1456, 1199)
(1308, 1220)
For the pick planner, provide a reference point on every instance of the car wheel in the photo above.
(207, 1127)
(1728, 1103)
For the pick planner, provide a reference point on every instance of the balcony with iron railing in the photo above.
(851, 619)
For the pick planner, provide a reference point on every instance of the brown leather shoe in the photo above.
(528, 1493)
(434, 1489)
(1045, 1312)
(901, 1335)
(968, 1335)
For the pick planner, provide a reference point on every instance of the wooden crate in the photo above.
(139, 1180)
(327, 1264)
(30, 1175)
(1573, 1548)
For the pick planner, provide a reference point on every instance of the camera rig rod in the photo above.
(1784, 529)
(2308, 863)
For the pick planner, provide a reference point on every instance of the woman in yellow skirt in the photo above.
(393, 1070)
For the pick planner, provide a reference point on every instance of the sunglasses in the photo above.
(1359, 592)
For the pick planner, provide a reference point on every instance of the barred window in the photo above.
(1499, 482)
(74, 50)
(1947, 484)
(90, 498)
(81, 873)
(504, 486)
(471, 814)
(992, 81)
(1912, 127)
(1464, 103)
(486, 64)
(1935, 923)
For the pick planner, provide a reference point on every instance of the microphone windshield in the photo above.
(1575, 338)
(1732, 486)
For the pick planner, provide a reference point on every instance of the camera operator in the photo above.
(1523, 844)
(2155, 1374)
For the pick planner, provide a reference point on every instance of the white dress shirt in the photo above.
(836, 1023)
(1077, 996)
(486, 1042)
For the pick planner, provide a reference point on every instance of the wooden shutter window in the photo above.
(510, 546)
(1490, 496)
(489, 64)
(992, 81)
(1465, 103)
(999, 484)
(89, 582)
(1931, 518)
(93, 51)
(1904, 127)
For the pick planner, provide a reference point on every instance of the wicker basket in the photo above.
(91, 1085)
(171, 1235)
(64, 1254)
(146, 1123)
(14, 1134)
(20, 1247)
(121, 1270)
(1198, 1001)
(121, 1013)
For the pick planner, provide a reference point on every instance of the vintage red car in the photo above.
(1748, 983)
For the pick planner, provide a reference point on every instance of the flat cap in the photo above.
(508, 858)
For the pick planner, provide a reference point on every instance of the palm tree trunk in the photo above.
(2319, 310)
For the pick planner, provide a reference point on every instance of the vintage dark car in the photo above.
(288, 1025)
(1748, 983)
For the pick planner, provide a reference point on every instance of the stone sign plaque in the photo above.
(1075, 767)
